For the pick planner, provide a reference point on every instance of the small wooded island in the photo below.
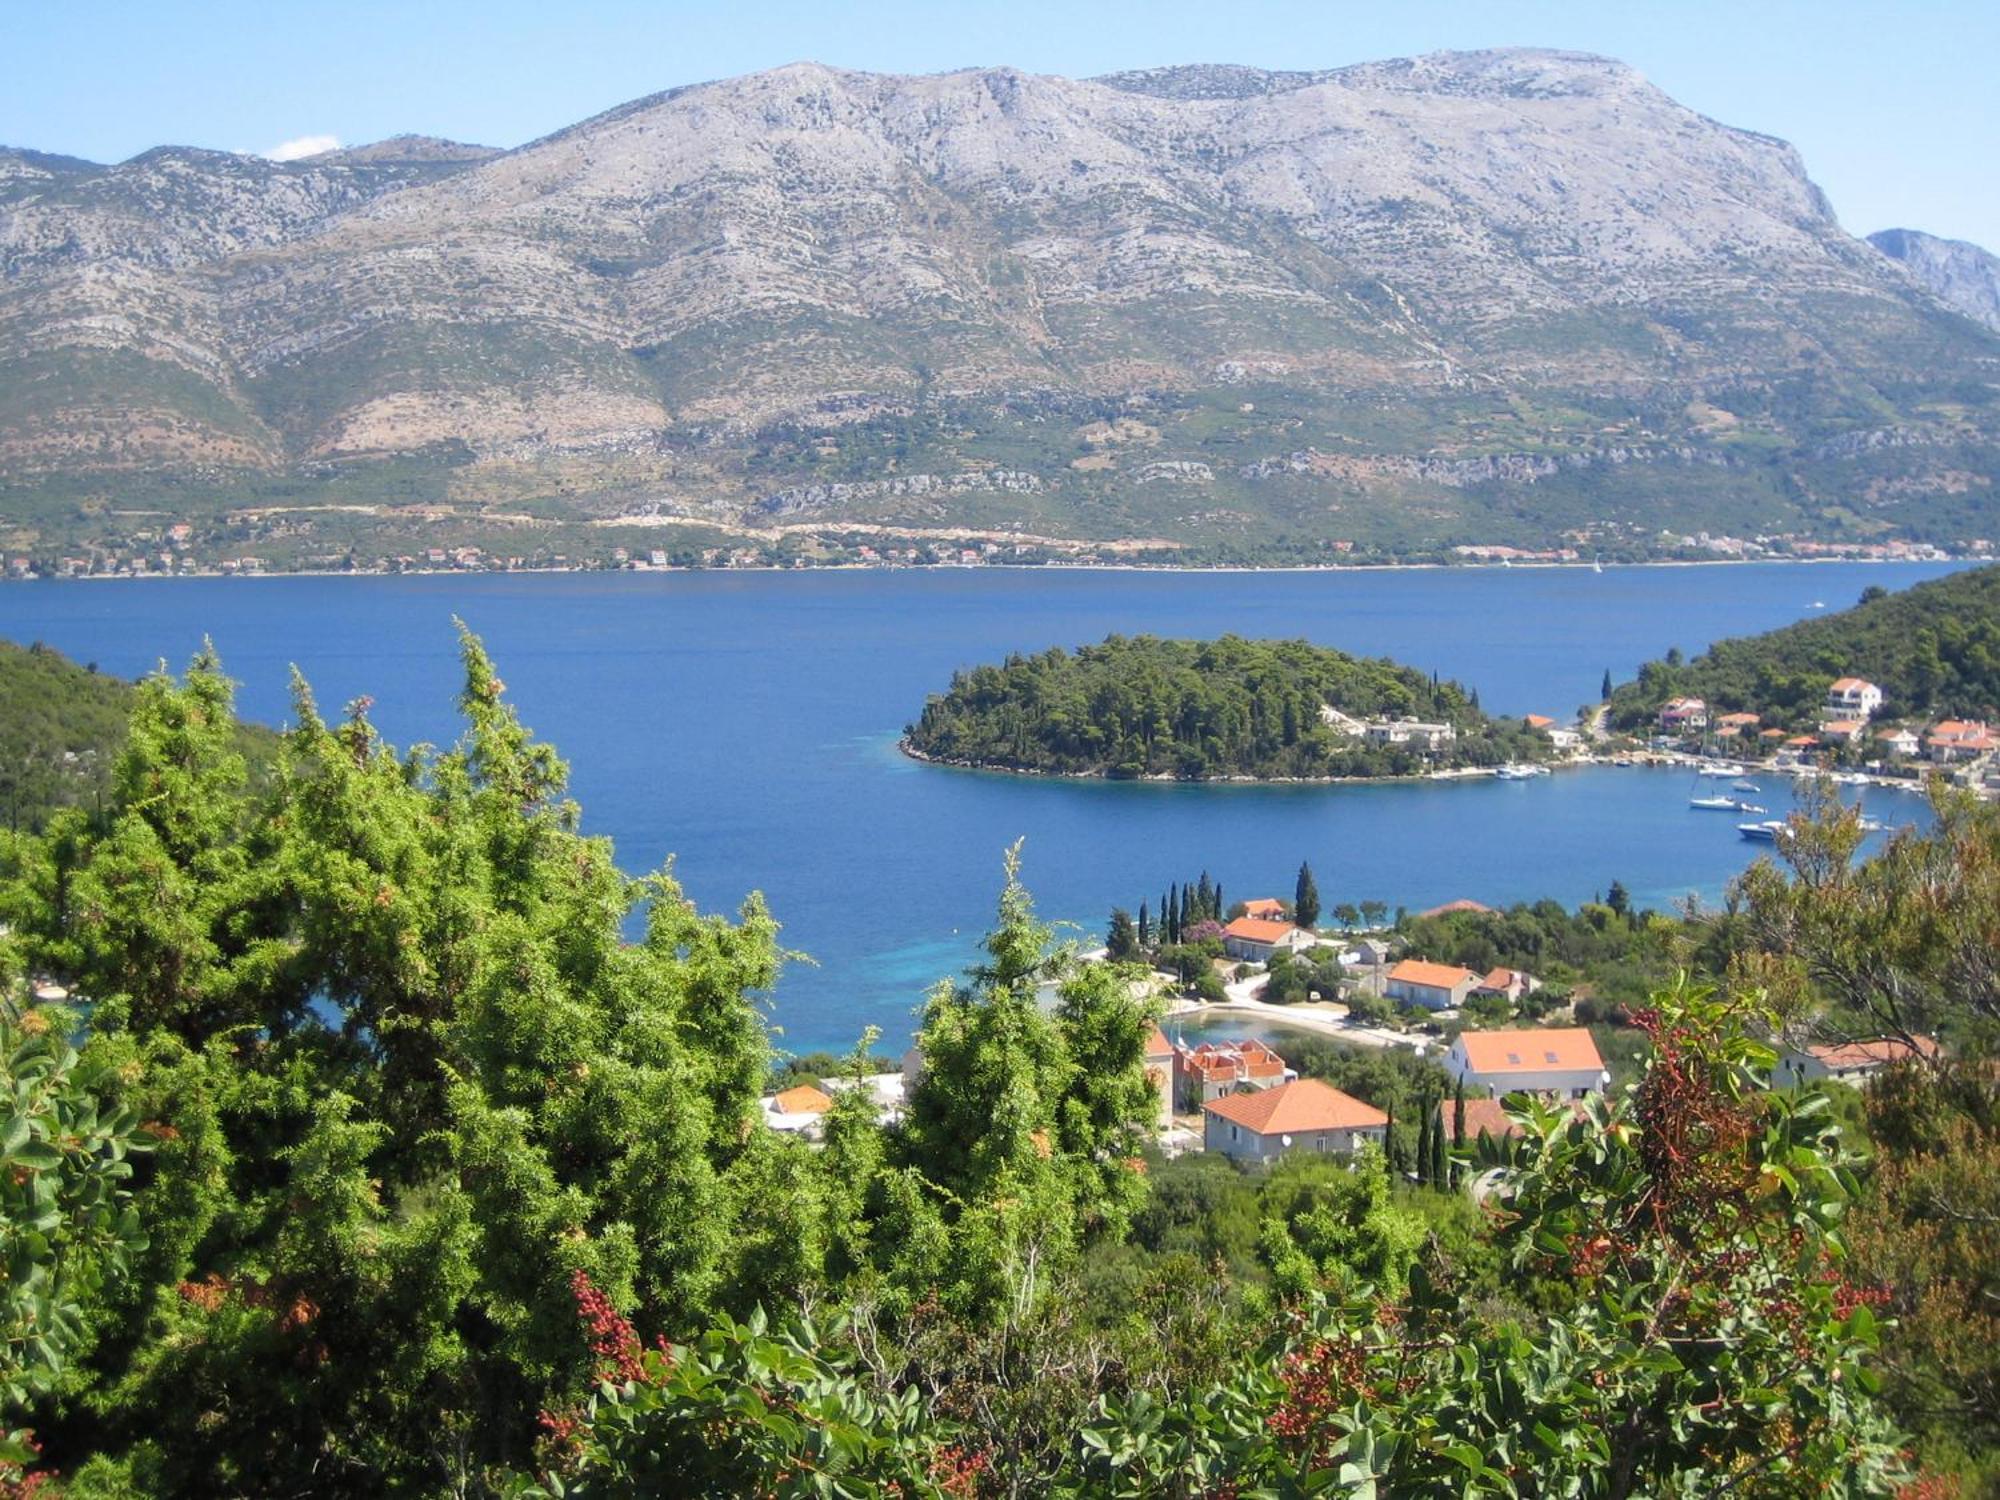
(1226, 709)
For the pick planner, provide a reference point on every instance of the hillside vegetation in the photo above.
(386, 1161)
(1934, 650)
(61, 729)
(1142, 706)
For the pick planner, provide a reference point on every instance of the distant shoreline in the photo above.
(1013, 567)
(1467, 773)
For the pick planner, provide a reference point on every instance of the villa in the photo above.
(1842, 731)
(1410, 731)
(1433, 986)
(1850, 1062)
(1898, 741)
(1735, 726)
(1265, 909)
(797, 1111)
(1305, 1115)
(1510, 985)
(1558, 1060)
(1959, 739)
(1684, 716)
(1255, 939)
(1214, 1069)
(1852, 698)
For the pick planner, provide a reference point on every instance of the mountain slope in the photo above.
(1961, 275)
(1483, 296)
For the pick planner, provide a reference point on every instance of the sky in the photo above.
(1892, 104)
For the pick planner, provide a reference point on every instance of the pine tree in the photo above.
(1305, 898)
(1121, 942)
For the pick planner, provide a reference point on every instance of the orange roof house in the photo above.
(1853, 1062)
(1539, 721)
(1433, 986)
(802, 1100)
(1265, 909)
(1256, 939)
(1560, 1060)
(1306, 1115)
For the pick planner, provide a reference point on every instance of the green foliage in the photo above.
(1297, 976)
(67, 1225)
(1934, 650)
(1305, 898)
(1141, 706)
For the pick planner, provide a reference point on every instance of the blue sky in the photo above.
(1894, 105)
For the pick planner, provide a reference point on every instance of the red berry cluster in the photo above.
(15, 1482)
(957, 1471)
(620, 1358)
(1317, 1379)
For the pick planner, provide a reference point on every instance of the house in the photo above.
(1898, 741)
(1305, 1115)
(1958, 739)
(1216, 1068)
(1370, 953)
(1850, 1062)
(1254, 939)
(1560, 1060)
(1841, 731)
(1265, 909)
(1735, 726)
(797, 1110)
(1484, 1115)
(1510, 985)
(1539, 721)
(1433, 986)
(1852, 698)
(1160, 1074)
(1410, 732)
(1565, 739)
(1684, 716)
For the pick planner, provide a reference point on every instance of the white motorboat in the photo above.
(1714, 804)
(1765, 832)
(1745, 786)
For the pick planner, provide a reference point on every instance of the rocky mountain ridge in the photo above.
(1959, 274)
(1470, 277)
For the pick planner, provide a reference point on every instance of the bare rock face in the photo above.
(806, 287)
(1962, 276)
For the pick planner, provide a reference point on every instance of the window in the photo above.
(1550, 1056)
(1514, 1058)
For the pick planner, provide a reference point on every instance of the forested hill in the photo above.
(1934, 650)
(1141, 706)
(61, 728)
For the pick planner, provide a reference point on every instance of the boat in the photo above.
(1714, 804)
(1745, 786)
(1750, 807)
(1765, 832)
(1514, 773)
(1719, 770)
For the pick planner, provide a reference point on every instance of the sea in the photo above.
(743, 727)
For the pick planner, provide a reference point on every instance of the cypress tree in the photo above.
(1166, 926)
(1440, 1169)
(1173, 914)
(1424, 1146)
(1305, 897)
(1604, 694)
(1220, 909)
(1458, 1116)
(1145, 928)
(1205, 895)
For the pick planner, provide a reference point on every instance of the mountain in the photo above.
(1959, 274)
(1471, 297)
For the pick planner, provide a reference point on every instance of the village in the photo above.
(1237, 1097)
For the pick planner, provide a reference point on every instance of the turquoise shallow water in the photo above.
(745, 724)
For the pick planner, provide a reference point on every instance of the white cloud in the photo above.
(304, 146)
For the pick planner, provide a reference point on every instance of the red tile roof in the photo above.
(1256, 930)
(1538, 721)
(1157, 1044)
(1267, 908)
(1306, 1104)
(1482, 1117)
(1438, 976)
(803, 1100)
(1872, 1054)
(1849, 685)
(1534, 1050)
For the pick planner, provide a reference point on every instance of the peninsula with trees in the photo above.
(1934, 650)
(1227, 709)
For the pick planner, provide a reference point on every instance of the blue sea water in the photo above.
(745, 725)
